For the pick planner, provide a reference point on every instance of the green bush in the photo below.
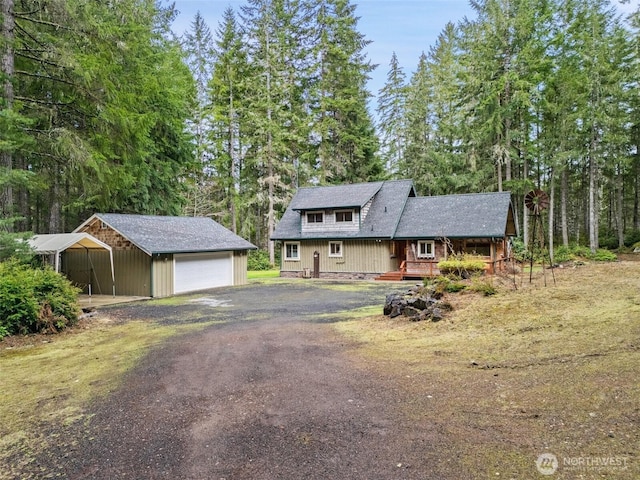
(258, 260)
(35, 300)
(462, 266)
(584, 252)
(632, 238)
(603, 255)
(485, 287)
(563, 254)
(442, 284)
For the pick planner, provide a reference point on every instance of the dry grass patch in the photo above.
(533, 370)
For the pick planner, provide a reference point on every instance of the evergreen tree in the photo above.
(391, 115)
(418, 135)
(105, 95)
(274, 31)
(200, 57)
(229, 117)
(342, 126)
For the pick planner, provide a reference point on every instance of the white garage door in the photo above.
(197, 271)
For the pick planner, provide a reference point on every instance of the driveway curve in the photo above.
(271, 393)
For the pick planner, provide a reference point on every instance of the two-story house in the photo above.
(369, 229)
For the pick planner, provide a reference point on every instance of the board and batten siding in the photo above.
(358, 256)
(329, 221)
(84, 268)
(132, 271)
(240, 265)
(162, 275)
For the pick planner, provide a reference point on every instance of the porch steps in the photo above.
(391, 277)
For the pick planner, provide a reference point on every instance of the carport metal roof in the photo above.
(56, 243)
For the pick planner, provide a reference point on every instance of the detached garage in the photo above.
(192, 271)
(159, 256)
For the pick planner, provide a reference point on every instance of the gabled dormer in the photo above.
(362, 210)
(336, 209)
(335, 220)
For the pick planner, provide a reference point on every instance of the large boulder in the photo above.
(418, 303)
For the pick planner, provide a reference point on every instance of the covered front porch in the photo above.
(419, 259)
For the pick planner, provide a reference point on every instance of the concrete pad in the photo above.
(101, 300)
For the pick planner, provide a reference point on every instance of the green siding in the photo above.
(132, 271)
(358, 256)
(162, 275)
(240, 258)
(88, 267)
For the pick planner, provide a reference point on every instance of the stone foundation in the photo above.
(333, 275)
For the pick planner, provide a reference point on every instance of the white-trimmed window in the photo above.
(426, 249)
(315, 217)
(335, 249)
(344, 216)
(292, 251)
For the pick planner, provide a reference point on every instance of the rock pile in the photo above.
(419, 303)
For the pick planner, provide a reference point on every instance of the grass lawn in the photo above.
(260, 274)
(530, 371)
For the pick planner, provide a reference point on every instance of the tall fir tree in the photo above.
(198, 46)
(342, 125)
(229, 118)
(392, 100)
(274, 30)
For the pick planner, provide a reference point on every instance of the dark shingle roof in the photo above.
(161, 234)
(389, 198)
(455, 216)
(338, 196)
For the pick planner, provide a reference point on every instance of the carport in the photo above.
(55, 243)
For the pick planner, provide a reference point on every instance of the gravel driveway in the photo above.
(272, 393)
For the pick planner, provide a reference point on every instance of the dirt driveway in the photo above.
(272, 393)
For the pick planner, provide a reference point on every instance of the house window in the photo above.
(426, 249)
(344, 216)
(314, 217)
(103, 226)
(292, 251)
(335, 249)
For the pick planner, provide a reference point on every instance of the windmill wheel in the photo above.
(536, 201)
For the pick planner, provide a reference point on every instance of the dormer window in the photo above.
(315, 217)
(345, 216)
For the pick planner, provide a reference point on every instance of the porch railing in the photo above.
(429, 268)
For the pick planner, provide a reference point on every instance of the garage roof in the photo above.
(164, 234)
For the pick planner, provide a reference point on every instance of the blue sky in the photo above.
(407, 27)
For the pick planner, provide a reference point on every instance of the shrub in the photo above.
(485, 287)
(632, 238)
(35, 300)
(563, 254)
(603, 255)
(463, 266)
(258, 260)
(442, 284)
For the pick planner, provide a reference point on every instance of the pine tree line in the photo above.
(530, 94)
(103, 109)
(284, 105)
(94, 100)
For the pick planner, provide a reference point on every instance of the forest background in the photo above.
(105, 109)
